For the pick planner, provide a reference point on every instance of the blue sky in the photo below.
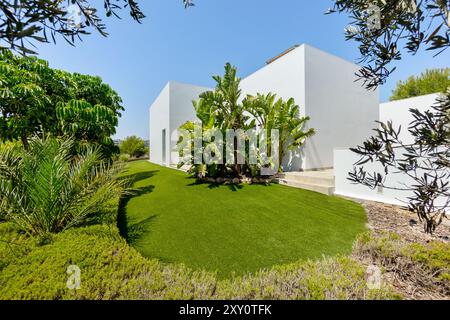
(172, 43)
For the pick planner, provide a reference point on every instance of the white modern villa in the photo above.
(342, 112)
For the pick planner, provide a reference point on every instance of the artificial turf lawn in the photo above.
(233, 228)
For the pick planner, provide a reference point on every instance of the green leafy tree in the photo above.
(92, 115)
(382, 28)
(23, 22)
(36, 99)
(220, 109)
(430, 81)
(46, 190)
(385, 28)
(25, 99)
(133, 146)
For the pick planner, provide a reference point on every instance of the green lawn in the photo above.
(233, 228)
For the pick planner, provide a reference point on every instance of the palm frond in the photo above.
(52, 191)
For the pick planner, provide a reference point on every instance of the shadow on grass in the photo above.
(134, 178)
(132, 233)
(232, 187)
(136, 231)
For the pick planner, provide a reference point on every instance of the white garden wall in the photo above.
(344, 159)
(398, 112)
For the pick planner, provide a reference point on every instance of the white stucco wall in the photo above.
(286, 78)
(181, 110)
(398, 112)
(344, 159)
(171, 109)
(159, 120)
(342, 111)
(323, 85)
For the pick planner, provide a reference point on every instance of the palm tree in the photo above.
(45, 190)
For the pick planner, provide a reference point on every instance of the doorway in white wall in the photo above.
(163, 146)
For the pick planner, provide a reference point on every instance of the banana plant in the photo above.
(223, 108)
(280, 115)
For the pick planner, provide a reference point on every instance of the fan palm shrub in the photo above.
(46, 190)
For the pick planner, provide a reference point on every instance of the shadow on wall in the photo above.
(315, 156)
(293, 160)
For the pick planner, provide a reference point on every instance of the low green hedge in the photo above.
(34, 268)
(424, 266)
(330, 279)
(433, 256)
(110, 269)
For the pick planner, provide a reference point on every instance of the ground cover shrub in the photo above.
(124, 157)
(329, 278)
(420, 266)
(110, 269)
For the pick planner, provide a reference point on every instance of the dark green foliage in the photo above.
(430, 81)
(36, 99)
(220, 109)
(284, 116)
(223, 109)
(92, 114)
(45, 190)
(27, 87)
(396, 25)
